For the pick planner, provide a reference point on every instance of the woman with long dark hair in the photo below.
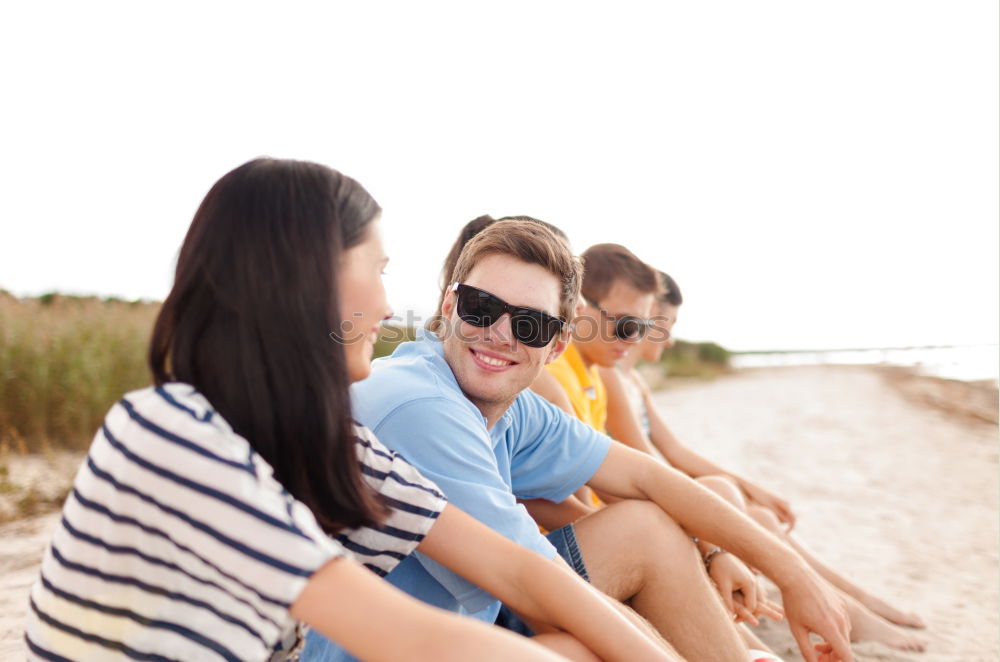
(222, 507)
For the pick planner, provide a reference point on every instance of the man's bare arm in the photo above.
(810, 606)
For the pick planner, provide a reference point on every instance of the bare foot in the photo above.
(867, 626)
(890, 613)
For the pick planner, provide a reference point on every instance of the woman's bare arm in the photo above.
(351, 605)
(540, 589)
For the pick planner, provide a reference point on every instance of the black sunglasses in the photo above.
(531, 327)
(627, 327)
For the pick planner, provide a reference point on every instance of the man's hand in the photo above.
(780, 507)
(740, 591)
(811, 606)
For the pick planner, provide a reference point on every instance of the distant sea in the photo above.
(965, 362)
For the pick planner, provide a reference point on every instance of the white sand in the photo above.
(899, 496)
(21, 546)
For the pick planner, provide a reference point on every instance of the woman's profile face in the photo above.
(362, 301)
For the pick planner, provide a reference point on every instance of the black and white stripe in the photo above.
(177, 543)
(414, 504)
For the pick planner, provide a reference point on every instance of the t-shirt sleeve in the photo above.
(450, 447)
(414, 504)
(554, 453)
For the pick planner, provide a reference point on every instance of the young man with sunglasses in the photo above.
(455, 404)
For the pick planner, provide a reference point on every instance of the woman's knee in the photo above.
(725, 488)
(766, 518)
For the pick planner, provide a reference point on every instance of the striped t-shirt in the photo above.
(177, 543)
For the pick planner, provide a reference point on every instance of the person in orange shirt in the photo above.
(616, 299)
(617, 296)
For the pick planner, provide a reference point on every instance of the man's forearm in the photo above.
(709, 517)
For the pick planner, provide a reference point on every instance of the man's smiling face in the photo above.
(490, 365)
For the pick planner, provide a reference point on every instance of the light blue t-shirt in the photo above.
(414, 405)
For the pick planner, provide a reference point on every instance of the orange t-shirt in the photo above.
(586, 393)
(583, 386)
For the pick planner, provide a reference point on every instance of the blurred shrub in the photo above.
(690, 359)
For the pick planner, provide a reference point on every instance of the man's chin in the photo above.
(479, 392)
(609, 361)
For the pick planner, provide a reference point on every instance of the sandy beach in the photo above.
(893, 480)
(892, 487)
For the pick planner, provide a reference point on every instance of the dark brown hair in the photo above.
(248, 320)
(468, 231)
(671, 291)
(603, 264)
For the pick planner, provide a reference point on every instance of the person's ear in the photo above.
(559, 347)
(580, 305)
(448, 304)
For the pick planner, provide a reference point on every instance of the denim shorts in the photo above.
(564, 540)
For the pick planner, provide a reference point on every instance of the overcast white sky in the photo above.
(813, 174)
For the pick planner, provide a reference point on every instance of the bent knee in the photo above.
(647, 524)
(725, 488)
(766, 518)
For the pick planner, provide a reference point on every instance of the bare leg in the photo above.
(731, 493)
(751, 640)
(866, 625)
(633, 551)
(728, 490)
(874, 603)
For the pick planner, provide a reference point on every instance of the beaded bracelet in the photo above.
(711, 555)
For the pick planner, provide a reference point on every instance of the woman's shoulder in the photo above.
(178, 415)
(168, 443)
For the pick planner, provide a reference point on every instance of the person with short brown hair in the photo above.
(616, 298)
(468, 231)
